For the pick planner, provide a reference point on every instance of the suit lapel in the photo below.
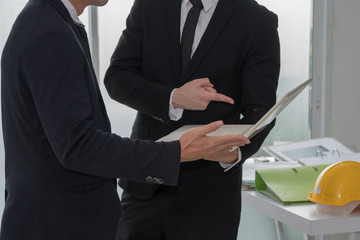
(173, 20)
(221, 16)
(82, 40)
(61, 9)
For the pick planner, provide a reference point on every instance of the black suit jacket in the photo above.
(239, 53)
(61, 159)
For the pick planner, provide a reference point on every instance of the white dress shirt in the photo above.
(204, 19)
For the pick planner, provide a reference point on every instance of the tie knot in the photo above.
(197, 4)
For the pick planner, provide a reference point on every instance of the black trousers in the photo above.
(160, 218)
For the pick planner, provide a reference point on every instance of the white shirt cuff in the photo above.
(228, 166)
(174, 113)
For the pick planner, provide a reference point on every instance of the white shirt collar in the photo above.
(72, 12)
(206, 3)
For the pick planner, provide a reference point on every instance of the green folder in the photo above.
(288, 185)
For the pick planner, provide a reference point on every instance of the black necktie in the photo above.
(188, 33)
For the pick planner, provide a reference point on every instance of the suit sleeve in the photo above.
(260, 79)
(124, 80)
(56, 74)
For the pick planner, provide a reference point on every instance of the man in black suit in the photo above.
(234, 51)
(61, 159)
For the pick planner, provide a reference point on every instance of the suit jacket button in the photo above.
(155, 180)
(161, 181)
(149, 179)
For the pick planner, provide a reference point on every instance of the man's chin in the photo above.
(99, 3)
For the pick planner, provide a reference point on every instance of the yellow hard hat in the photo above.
(338, 185)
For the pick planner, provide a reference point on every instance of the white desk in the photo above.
(305, 218)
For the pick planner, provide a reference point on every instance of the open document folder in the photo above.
(247, 130)
(330, 159)
(288, 185)
(318, 147)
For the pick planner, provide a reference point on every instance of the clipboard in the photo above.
(330, 159)
(288, 185)
(292, 152)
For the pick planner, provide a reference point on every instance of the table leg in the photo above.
(308, 237)
(279, 230)
(320, 237)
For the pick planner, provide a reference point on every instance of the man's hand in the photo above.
(197, 94)
(196, 145)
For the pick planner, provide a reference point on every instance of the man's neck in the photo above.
(79, 5)
(72, 11)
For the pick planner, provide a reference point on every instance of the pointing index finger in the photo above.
(220, 98)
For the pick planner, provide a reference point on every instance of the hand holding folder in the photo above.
(288, 185)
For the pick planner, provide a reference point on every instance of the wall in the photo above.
(345, 82)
